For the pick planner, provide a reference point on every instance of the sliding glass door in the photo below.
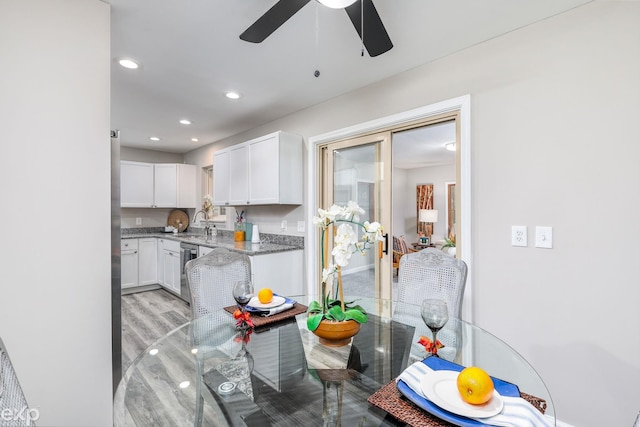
(359, 170)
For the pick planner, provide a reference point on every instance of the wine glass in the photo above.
(242, 293)
(435, 314)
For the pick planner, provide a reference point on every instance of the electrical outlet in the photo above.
(283, 225)
(301, 226)
(138, 221)
(518, 235)
(544, 237)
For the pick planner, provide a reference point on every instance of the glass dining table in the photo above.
(208, 372)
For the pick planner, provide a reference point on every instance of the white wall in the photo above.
(554, 143)
(402, 200)
(55, 273)
(406, 211)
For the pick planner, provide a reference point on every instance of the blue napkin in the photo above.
(516, 412)
(288, 304)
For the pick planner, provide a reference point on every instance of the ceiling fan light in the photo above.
(337, 4)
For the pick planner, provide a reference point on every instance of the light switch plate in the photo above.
(138, 221)
(301, 226)
(544, 237)
(518, 235)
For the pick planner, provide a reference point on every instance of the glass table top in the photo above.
(281, 375)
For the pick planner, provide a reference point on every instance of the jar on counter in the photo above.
(239, 232)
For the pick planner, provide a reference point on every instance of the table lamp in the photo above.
(428, 216)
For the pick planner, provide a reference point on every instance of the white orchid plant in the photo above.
(345, 244)
(207, 205)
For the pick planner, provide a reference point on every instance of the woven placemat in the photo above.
(259, 321)
(389, 399)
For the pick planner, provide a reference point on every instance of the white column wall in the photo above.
(55, 269)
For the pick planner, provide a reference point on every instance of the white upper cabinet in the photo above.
(262, 171)
(275, 169)
(238, 175)
(161, 185)
(136, 184)
(221, 178)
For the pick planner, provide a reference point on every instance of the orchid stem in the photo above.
(340, 289)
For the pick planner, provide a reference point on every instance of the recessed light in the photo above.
(128, 63)
(154, 138)
(450, 146)
(185, 122)
(232, 95)
(194, 139)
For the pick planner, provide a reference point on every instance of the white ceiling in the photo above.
(424, 146)
(191, 54)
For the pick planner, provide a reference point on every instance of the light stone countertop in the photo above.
(244, 247)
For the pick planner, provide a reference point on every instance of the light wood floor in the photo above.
(147, 316)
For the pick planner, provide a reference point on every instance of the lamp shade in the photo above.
(337, 4)
(428, 215)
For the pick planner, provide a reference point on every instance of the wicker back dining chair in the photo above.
(13, 404)
(431, 273)
(211, 278)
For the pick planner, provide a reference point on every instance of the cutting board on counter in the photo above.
(178, 219)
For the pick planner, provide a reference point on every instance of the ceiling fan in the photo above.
(363, 15)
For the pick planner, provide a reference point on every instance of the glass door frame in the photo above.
(461, 105)
(325, 183)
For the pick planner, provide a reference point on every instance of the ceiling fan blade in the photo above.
(376, 39)
(272, 20)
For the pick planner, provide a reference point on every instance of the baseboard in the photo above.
(137, 289)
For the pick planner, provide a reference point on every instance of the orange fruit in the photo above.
(265, 295)
(475, 385)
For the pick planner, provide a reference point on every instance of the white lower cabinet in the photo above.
(169, 261)
(148, 261)
(128, 263)
(203, 250)
(280, 271)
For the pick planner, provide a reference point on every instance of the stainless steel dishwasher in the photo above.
(188, 251)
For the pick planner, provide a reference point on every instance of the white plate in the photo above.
(440, 387)
(275, 302)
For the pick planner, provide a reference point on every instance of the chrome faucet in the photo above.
(207, 228)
